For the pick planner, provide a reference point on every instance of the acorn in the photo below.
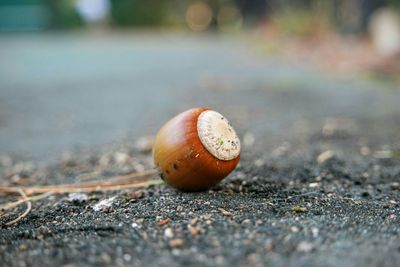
(196, 149)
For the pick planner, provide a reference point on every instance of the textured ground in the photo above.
(318, 183)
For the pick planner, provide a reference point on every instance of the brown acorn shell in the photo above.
(181, 158)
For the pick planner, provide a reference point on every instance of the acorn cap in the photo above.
(217, 135)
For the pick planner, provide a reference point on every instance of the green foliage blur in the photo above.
(292, 17)
(138, 12)
(63, 14)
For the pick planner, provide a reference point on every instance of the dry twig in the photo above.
(28, 209)
(14, 204)
(130, 180)
(120, 182)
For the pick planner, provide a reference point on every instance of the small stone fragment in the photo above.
(176, 243)
(365, 151)
(163, 222)
(395, 185)
(105, 258)
(168, 233)
(269, 245)
(246, 221)
(225, 212)
(207, 216)
(305, 246)
(122, 158)
(136, 194)
(299, 209)
(249, 139)
(104, 161)
(77, 198)
(324, 156)
(179, 208)
(145, 143)
(194, 231)
(127, 257)
(259, 162)
(104, 205)
(294, 229)
(193, 221)
(315, 232)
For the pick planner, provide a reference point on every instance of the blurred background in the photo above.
(83, 73)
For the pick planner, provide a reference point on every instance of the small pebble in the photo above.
(324, 156)
(246, 221)
(395, 185)
(225, 212)
(176, 252)
(315, 232)
(145, 143)
(207, 216)
(305, 246)
(269, 245)
(77, 197)
(248, 139)
(220, 260)
(299, 209)
(194, 221)
(136, 194)
(259, 162)
(104, 161)
(127, 257)
(176, 243)
(194, 231)
(104, 205)
(168, 233)
(105, 258)
(365, 151)
(122, 158)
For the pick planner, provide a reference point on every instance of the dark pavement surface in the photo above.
(318, 183)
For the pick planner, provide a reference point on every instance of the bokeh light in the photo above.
(199, 16)
(229, 19)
